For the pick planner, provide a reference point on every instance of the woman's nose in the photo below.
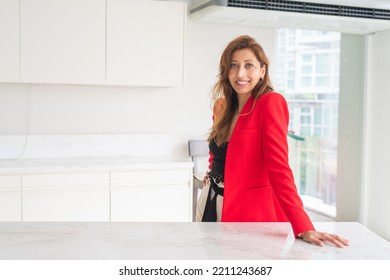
(241, 71)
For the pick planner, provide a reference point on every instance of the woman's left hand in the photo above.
(318, 238)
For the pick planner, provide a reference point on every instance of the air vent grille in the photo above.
(312, 8)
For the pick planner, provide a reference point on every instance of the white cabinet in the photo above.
(62, 41)
(143, 192)
(10, 198)
(9, 41)
(145, 43)
(66, 197)
(96, 42)
(152, 196)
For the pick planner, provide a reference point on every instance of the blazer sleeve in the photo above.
(275, 150)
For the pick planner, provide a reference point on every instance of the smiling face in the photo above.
(245, 71)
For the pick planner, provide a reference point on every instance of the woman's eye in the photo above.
(233, 65)
(249, 65)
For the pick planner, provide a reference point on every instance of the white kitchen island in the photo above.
(181, 241)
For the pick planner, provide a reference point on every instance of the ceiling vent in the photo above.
(316, 15)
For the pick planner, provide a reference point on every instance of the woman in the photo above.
(248, 149)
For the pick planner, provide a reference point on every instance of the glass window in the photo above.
(305, 131)
(307, 32)
(306, 58)
(315, 159)
(323, 63)
(291, 41)
(323, 82)
(325, 132)
(318, 116)
(317, 131)
(328, 113)
(306, 69)
(305, 119)
(306, 81)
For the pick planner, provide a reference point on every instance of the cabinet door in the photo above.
(151, 196)
(9, 45)
(10, 198)
(63, 41)
(145, 43)
(66, 197)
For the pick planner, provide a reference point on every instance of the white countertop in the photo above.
(91, 164)
(29, 154)
(184, 241)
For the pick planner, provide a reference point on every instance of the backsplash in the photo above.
(69, 146)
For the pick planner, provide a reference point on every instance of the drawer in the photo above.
(65, 180)
(151, 204)
(11, 198)
(10, 183)
(151, 177)
(84, 204)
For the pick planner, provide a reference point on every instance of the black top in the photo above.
(218, 165)
(217, 174)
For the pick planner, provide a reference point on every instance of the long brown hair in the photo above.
(224, 111)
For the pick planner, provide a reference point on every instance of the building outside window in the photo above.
(307, 74)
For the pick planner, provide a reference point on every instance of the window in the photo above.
(306, 58)
(323, 82)
(312, 95)
(323, 63)
(318, 116)
(307, 69)
(306, 81)
(305, 119)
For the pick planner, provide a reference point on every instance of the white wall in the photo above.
(183, 111)
(351, 122)
(363, 189)
(376, 191)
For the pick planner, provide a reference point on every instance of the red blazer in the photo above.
(259, 184)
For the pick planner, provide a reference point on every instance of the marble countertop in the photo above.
(29, 154)
(181, 241)
(91, 164)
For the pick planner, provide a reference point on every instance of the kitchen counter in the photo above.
(181, 241)
(92, 164)
(30, 154)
